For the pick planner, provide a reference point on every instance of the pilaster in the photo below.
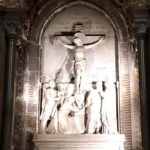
(2, 66)
(11, 23)
(141, 24)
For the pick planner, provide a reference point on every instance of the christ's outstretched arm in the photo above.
(66, 45)
(91, 45)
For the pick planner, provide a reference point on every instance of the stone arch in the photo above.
(38, 24)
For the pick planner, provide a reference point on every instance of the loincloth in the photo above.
(80, 64)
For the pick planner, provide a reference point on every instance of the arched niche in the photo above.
(57, 61)
(123, 59)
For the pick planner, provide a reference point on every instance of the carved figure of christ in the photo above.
(79, 49)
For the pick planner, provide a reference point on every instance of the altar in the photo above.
(80, 142)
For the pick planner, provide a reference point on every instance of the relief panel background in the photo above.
(94, 23)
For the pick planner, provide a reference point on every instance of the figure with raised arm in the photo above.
(80, 59)
(49, 102)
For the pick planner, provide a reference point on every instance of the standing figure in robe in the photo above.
(49, 103)
(93, 109)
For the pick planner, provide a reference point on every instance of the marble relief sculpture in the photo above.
(79, 59)
(74, 110)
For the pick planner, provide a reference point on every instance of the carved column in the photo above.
(10, 85)
(2, 66)
(148, 73)
(141, 21)
(11, 21)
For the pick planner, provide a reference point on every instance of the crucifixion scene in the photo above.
(79, 64)
(74, 74)
(78, 79)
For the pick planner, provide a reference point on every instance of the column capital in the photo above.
(12, 20)
(141, 20)
(11, 27)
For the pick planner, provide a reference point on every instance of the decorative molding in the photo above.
(138, 3)
(140, 20)
(12, 3)
(80, 142)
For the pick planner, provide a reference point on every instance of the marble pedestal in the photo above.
(79, 142)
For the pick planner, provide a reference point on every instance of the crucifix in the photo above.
(79, 49)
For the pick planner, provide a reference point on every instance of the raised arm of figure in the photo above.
(91, 45)
(65, 45)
